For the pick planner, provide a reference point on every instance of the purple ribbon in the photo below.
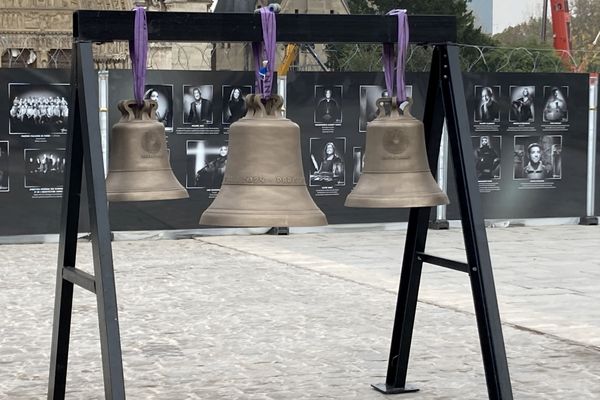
(265, 52)
(388, 57)
(138, 52)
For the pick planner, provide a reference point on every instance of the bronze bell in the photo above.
(396, 172)
(264, 184)
(139, 168)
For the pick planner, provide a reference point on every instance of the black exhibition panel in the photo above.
(553, 131)
(33, 131)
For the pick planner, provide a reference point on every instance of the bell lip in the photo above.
(426, 200)
(156, 195)
(262, 118)
(235, 218)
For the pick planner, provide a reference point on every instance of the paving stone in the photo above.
(309, 316)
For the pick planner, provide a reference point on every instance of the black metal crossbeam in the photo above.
(443, 262)
(107, 26)
(80, 278)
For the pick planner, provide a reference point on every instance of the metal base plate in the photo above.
(385, 389)
(588, 221)
(278, 230)
(439, 224)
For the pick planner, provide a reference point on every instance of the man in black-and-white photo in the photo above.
(197, 103)
(212, 174)
(487, 160)
(206, 163)
(488, 110)
(536, 168)
(328, 107)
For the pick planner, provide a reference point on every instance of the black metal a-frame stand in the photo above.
(445, 97)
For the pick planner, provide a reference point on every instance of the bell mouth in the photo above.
(247, 219)
(407, 201)
(155, 195)
(133, 186)
(396, 190)
(263, 206)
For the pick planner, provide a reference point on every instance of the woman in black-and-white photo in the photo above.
(522, 109)
(163, 96)
(555, 109)
(329, 169)
(235, 107)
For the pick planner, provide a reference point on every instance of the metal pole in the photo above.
(544, 19)
(442, 178)
(103, 115)
(282, 91)
(590, 218)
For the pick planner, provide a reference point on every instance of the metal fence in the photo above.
(311, 57)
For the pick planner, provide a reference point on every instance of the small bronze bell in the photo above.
(264, 184)
(139, 168)
(396, 173)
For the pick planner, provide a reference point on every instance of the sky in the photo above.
(512, 12)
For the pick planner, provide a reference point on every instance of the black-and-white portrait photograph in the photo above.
(327, 162)
(555, 106)
(234, 102)
(487, 150)
(368, 103)
(4, 177)
(163, 96)
(521, 104)
(206, 163)
(487, 108)
(38, 109)
(538, 157)
(44, 168)
(358, 157)
(197, 105)
(328, 105)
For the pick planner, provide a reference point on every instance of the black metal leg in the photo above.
(67, 246)
(449, 100)
(416, 237)
(478, 255)
(84, 149)
(110, 342)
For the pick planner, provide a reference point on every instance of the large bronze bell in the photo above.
(139, 168)
(396, 173)
(264, 184)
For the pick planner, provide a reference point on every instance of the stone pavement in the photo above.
(309, 316)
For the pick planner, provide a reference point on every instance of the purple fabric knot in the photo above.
(264, 54)
(388, 57)
(138, 52)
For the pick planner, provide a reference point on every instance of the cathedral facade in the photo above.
(37, 34)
